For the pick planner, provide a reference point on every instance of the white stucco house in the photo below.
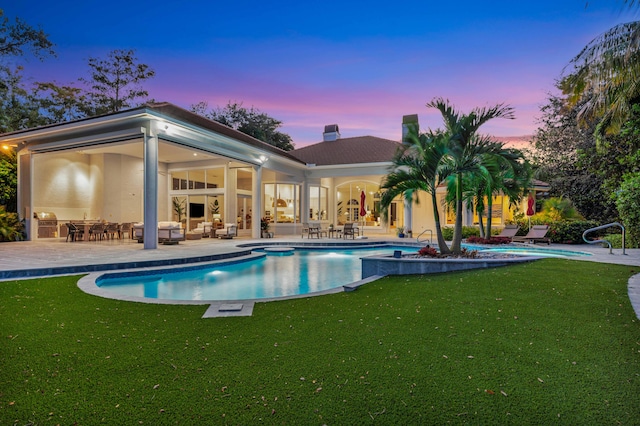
(159, 162)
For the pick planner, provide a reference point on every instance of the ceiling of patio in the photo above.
(167, 152)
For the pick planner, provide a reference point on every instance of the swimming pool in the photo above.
(305, 271)
(532, 251)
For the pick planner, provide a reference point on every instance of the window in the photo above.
(282, 202)
(349, 198)
(318, 203)
(197, 179)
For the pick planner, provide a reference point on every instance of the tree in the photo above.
(18, 36)
(252, 122)
(566, 156)
(501, 171)
(418, 166)
(115, 82)
(57, 104)
(8, 180)
(605, 75)
(628, 203)
(466, 148)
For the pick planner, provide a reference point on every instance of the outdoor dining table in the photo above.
(334, 232)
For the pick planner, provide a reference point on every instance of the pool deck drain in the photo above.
(217, 310)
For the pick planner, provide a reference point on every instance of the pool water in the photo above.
(302, 272)
(533, 251)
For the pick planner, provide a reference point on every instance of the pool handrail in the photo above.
(430, 236)
(608, 225)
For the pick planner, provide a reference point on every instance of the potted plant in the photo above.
(214, 207)
(264, 227)
(179, 207)
(409, 233)
(400, 231)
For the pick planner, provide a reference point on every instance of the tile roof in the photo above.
(360, 149)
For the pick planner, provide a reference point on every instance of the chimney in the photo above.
(331, 133)
(409, 122)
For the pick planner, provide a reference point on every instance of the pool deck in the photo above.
(28, 259)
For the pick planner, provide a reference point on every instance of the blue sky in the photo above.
(362, 65)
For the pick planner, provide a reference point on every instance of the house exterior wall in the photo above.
(64, 185)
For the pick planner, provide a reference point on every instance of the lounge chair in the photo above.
(170, 232)
(203, 228)
(229, 231)
(137, 232)
(509, 231)
(316, 229)
(537, 234)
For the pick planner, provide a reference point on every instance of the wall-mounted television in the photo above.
(196, 210)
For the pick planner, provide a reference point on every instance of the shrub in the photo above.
(492, 240)
(570, 232)
(467, 231)
(628, 204)
(11, 229)
(428, 251)
(562, 231)
(616, 241)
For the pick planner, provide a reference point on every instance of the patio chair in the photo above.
(229, 231)
(124, 228)
(110, 230)
(170, 232)
(204, 228)
(316, 229)
(73, 232)
(537, 234)
(305, 229)
(137, 232)
(509, 231)
(96, 231)
(349, 229)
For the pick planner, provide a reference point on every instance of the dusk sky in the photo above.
(361, 65)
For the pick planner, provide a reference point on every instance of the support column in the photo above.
(408, 216)
(256, 202)
(150, 205)
(304, 201)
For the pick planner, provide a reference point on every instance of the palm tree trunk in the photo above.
(489, 216)
(481, 224)
(442, 244)
(456, 244)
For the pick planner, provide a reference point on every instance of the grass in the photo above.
(554, 341)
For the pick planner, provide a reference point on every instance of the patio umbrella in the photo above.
(363, 211)
(531, 202)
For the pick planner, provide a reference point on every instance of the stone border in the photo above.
(388, 265)
(633, 288)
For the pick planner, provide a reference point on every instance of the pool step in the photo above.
(216, 310)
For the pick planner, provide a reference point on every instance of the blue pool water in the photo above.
(302, 272)
(533, 251)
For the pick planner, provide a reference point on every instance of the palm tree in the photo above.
(465, 149)
(606, 74)
(508, 173)
(419, 166)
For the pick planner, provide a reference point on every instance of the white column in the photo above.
(304, 202)
(408, 217)
(256, 201)
(150, 205)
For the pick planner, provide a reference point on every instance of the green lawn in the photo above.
(550, 342)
